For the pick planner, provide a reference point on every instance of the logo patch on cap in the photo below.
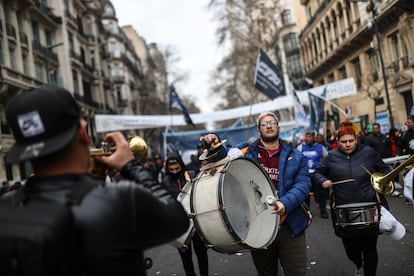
(30, 124)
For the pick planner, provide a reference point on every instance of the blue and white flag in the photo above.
(317, 109)
(175, 102)
(267, 77)
(300, 115)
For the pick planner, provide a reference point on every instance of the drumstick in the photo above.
(271, 200)
(343, 181)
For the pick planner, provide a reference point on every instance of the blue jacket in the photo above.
(294, 183)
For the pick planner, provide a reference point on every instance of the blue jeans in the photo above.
(291, 253)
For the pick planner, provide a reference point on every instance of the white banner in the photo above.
(105, 123)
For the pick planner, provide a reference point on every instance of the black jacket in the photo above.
(380, 143)
(405, 144)
(117, 221)
(175, 182)
(340, 166)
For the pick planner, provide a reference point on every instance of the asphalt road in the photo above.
(326, 255)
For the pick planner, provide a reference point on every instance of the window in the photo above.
(112, 46)
(291, 43)
(71, 43)
(49, 40)
(395, 46)
(294, 66)
(39, 71)
(53, 78)
(357, 69)
(35, 31)
(12, 58)
(19, 17)
(374, 63)
(75, 81)
(110, 27)
(92, 55)
(342, 72)
(287, 17)
(25, 64)
(119, 93)
(89, 29)
(115, 70)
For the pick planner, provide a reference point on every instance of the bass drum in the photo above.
(228, 200)
(183, 242)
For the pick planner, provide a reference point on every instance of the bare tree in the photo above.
(248, 26)
(172, 59)
(177, 76)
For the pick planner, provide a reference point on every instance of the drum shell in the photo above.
(357, 215)
(184, 240)
(231, 213)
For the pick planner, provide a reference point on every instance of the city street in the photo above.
(326, 255)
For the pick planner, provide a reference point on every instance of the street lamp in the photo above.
(48, 49)
(372, 7)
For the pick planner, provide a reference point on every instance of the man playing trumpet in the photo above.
(115, 222)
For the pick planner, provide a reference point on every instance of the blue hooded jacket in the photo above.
(294, 183)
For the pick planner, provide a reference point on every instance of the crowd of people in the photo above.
(117, 220)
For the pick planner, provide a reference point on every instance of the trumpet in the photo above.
(99, 171)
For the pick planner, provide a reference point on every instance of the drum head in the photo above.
(243, 191)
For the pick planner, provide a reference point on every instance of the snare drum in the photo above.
(357, 215)
(183, 242)
(228, 200)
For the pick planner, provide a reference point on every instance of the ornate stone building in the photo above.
(340, 40)
(75, 44)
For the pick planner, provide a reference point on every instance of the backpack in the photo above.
(37, 235)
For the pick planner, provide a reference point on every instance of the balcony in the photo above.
(10, 30)
(45, 12)
(122, 103)
(118, 79)
(90, 38)
(44, 51)
(71, 19)
(23, 39)
(76, 56)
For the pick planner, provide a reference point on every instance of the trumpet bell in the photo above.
(139, 147)
(381, 184)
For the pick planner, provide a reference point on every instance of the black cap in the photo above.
(43, 121)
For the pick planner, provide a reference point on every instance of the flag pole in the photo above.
(331, 103)
(164, 140)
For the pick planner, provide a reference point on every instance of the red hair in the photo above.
(346, 128)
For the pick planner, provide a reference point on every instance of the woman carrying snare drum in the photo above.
(347, 171)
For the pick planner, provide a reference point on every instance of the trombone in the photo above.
(383, 183)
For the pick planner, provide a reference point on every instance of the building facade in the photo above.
(371, 41)
(75, 44)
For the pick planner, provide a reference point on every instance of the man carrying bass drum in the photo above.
(287, 168)
(347, 170)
